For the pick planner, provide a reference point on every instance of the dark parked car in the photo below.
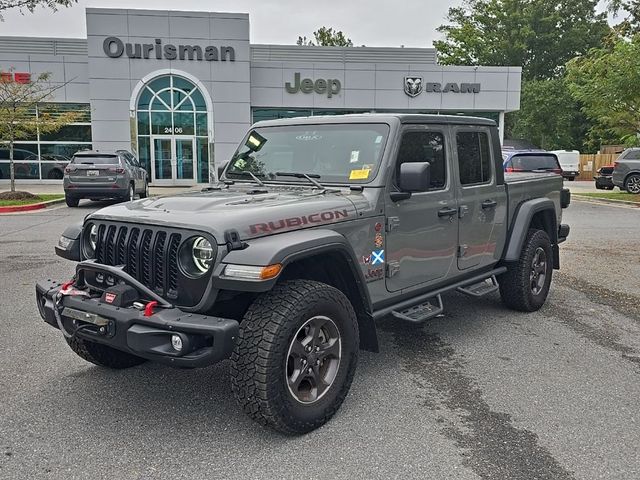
(626, 173)
(100, 175)
(531, 161)
(603, 178)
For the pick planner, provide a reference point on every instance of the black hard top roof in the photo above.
(405, 118)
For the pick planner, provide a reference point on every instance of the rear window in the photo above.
(534, 162)
(96, 159)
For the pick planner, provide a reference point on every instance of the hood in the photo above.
(252, 211)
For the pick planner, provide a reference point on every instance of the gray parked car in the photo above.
(99, 175)
(319, 227)
(626, 173)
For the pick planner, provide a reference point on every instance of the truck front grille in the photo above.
(148, 255)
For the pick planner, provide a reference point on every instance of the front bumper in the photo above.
(205, 339)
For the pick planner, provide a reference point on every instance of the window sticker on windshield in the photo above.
(360, 174)
(379, 139)
(355, 155)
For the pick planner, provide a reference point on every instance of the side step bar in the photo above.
(421, 308)
(422, 312)
(480, 289)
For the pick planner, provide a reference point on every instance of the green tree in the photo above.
(606, 81)
(18, 119)
(539, 35)
(326, 37)
(550, 117)
(31, 5)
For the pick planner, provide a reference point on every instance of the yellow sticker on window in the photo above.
(361, 174)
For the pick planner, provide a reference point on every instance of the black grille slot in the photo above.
(158, 261)
(109, 246)
(121, 247)
(145, 258)
(172, 260)
(100, 251)
(132, 255)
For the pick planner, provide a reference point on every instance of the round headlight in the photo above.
(91, 241)
(202, 253)
(93, 236)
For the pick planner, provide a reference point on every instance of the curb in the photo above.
(30, 207)
(604, 200)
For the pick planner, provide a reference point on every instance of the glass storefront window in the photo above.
(171, 109)
(23, 170)
(45, 155)
(59, 151)
(161, 123)
(201, 124)
(69, 133)
(203, 160)
(143, 123)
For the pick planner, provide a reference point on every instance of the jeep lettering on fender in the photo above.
(318, 228)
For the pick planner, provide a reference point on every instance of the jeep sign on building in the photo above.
(179, 89)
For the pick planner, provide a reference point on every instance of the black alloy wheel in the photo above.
(313, 359)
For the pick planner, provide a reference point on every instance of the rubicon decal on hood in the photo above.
(293, 222)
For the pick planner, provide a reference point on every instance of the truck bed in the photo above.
(526, 186)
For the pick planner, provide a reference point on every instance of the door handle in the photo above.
(489, 204)
(447, 212)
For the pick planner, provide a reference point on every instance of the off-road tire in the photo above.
(515, 283)
(102, 355)
(71, 201)
(259, 360)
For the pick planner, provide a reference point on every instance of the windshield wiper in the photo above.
(308, 176)
(247, 172)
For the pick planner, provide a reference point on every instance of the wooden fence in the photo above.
(589, 164)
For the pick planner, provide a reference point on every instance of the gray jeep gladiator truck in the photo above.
(319, 227)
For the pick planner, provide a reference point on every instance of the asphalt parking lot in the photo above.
(483, 393)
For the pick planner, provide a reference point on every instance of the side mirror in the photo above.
(414, 177)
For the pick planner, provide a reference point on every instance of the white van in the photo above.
(570, 163)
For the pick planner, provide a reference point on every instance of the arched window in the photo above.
(171, 112)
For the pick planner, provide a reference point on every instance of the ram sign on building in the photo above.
(180, 89)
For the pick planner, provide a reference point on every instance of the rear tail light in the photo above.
(118, 170)
(557, 170)
(512, 170)
(615, 165)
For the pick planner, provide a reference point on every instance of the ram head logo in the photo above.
(413, 86)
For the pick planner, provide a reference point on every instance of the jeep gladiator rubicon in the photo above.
(318, 227)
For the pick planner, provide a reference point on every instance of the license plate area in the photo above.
(93, 173)
(85, 317)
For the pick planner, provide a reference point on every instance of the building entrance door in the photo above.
(173, 160)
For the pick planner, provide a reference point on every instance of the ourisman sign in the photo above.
(114, 47)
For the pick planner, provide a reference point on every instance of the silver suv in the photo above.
(99, 175)
(626, 173)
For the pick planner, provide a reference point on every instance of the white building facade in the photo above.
(180, 89)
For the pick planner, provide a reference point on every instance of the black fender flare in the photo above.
(285, 249)
(522, 222)
(288, 248)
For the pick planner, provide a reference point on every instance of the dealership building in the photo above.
(180, 89)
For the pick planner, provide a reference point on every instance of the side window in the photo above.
(633, 155)
(474, 157)
(425, 146)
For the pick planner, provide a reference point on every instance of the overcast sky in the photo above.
(367, 22)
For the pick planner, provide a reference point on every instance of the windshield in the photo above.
(534, 162)
(332, 153)
(95, 159)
